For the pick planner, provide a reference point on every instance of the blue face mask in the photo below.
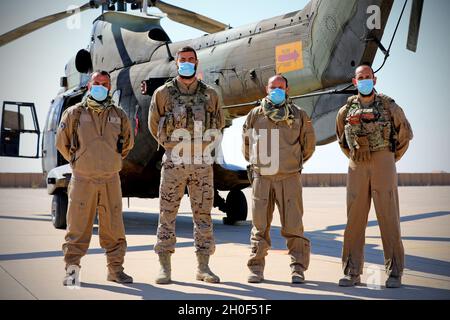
(365, 87)
(277, 96)
(186, 69)
(99, 92)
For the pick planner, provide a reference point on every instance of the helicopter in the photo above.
(315, 48)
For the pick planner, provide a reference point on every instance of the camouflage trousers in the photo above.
(199, 180)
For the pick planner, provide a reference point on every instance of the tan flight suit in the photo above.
(176, 106)
(385, 133)
(95, 182)
(296, 145)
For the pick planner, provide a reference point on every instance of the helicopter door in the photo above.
(49, 152)
(19, 136)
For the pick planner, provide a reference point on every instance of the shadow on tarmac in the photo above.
(166, 292)
(163, 292)
(324, 242)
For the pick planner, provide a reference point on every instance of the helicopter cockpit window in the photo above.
(19, 130)
(116, 97)
(158, 35)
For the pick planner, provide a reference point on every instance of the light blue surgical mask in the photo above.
(186, 69)
(277, 96)
(99, 92)
(365, 87)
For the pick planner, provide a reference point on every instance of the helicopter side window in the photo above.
(19, 130)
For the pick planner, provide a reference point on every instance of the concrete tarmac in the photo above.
(32, 267)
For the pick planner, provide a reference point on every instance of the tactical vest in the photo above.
(373, 121)
(185, 109)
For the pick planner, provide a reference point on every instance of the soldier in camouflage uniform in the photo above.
(188, 108)
(374, 133)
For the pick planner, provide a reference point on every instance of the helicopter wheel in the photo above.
(237, 209)
(59, 210)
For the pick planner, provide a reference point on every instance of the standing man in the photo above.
(185, 106)
(94, 136)
(279, 127)
(374, 133)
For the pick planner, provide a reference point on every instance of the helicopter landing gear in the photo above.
(235, 206)
(59, 210)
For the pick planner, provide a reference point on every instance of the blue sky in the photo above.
(30, 69)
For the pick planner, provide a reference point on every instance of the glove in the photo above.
(362, 153)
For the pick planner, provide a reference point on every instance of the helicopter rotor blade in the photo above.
(189, 18)
(40, 23)
(414, 25)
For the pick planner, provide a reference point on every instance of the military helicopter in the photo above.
(316, 49)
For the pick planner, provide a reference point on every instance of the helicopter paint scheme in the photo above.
(316, 49)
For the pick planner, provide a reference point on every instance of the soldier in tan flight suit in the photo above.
(185, 106)
(94, 136)
(279, 183)
(374, 133)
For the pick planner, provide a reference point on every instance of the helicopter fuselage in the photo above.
(315, 48)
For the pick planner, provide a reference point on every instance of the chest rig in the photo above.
(373, 122)
(188, 111)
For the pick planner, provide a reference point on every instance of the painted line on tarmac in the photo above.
(20, 283)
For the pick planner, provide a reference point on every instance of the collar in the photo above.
(183, 88)
(90, 103)
(377, 98)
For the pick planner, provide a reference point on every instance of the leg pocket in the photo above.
(260, 189)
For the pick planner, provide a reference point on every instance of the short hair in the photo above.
(103, 73)
(365, 64)
(187, 49)
(286, 80)
(283, 77)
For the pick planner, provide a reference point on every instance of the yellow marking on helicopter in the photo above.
(289, 57)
